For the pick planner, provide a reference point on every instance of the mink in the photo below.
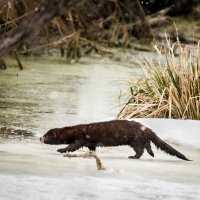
(109, 133)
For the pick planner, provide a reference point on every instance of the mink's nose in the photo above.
(42, 139)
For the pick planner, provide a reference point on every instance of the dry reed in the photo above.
(169, 89)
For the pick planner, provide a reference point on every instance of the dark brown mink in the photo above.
(109, 133)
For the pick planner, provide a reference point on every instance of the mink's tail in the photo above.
(166, 147)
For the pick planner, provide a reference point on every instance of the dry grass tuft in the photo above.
(169, 89)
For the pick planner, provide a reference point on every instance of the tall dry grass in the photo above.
(170, 88)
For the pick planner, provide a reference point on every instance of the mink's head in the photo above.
(51, 137)
(56, 136)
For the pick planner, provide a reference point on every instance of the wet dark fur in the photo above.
(109, 133)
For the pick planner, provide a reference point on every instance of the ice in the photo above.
(37, 171)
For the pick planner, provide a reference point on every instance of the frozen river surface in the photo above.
(37, 171)
(48, 95)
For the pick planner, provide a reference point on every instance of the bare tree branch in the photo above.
(31, 27)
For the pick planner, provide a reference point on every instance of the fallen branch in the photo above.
(97, 48)
(145, 24)
(18, 60)
(54, 44)
(88, 155)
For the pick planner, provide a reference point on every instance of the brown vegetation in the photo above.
(35, 23)
(169, 89)
(76, 27)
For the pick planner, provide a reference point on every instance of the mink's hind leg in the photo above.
(139, 150)
(148, 148)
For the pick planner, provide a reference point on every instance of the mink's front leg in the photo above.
(72, 147)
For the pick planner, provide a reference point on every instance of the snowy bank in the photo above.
(182, 132)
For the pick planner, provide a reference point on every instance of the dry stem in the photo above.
(88, 155)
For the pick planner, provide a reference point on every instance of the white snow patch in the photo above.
(143, 128)
(183, 132)
(130, 120)
(54, 95)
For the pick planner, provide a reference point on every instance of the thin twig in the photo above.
(88, 155)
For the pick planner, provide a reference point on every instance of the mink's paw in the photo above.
(62, 150)
(132, 157)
